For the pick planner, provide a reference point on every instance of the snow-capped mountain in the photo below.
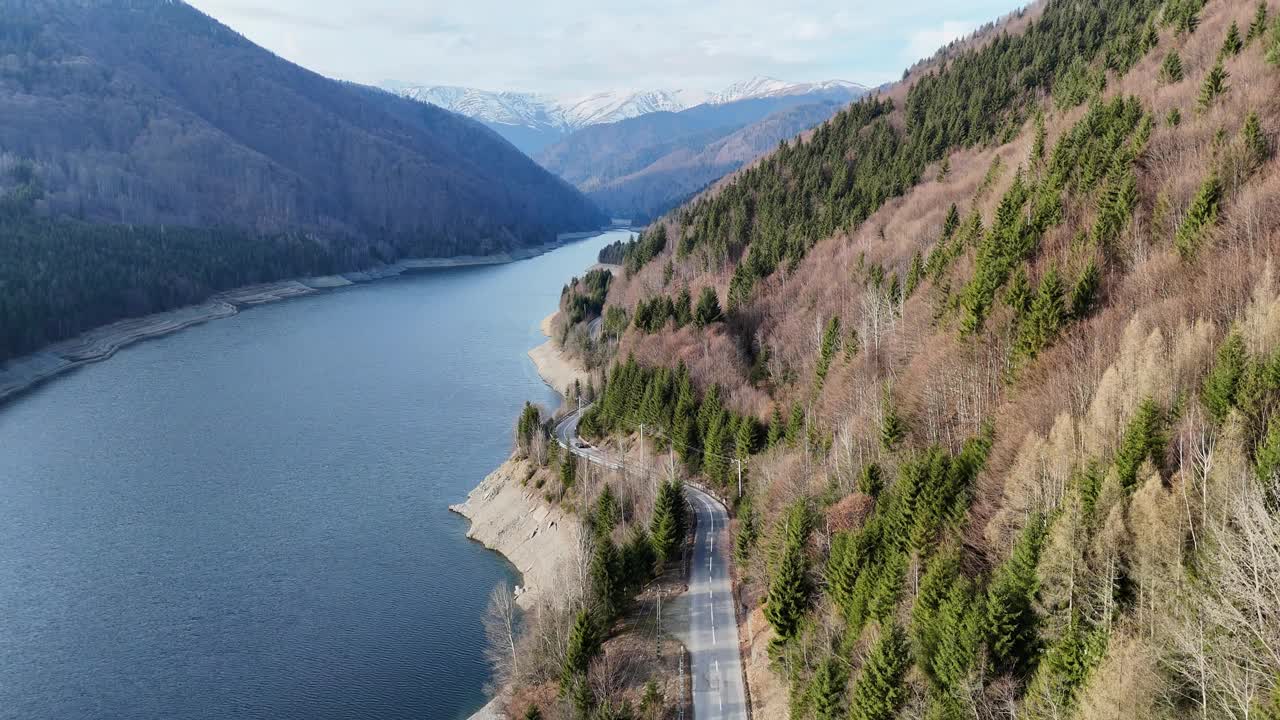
(534, 120)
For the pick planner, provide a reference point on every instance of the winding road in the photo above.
(710, 627)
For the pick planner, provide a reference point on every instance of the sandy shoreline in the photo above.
(556, 368)
(24, 373)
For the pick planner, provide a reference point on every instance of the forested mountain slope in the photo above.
(148, 116)
(616, 163)
(673, 177)
(997, 351)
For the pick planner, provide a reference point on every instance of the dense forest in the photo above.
(149, 155)
(997, 361)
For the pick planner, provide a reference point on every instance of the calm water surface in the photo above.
(249, 519)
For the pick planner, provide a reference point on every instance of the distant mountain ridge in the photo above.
(150, 112)
(533, 121)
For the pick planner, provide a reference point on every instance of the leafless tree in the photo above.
(500, 624)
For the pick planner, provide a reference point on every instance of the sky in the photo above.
(576, 47)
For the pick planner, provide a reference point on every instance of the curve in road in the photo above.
(711, 635)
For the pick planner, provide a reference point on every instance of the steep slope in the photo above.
(149, 112)
(998, 361)
(150, 157)
(602, 155)
(690, 167)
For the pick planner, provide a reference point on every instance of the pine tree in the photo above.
(777, 429)
(830, 343)
(871, 480)
(1214, 85)
(1012, 625)
(667, 526)
(827, 689)
(1084, 291)
(1144, 439)
(584, 643)
(1255, 143)
(1220, 385)
(892, 427)
(1267, 456)
(607, 513)
(1258, 28)
(606, 580)
(568, 470)
(795, 427)
(1233, 44)
(1202, 214)
(915, 273)
(1273, 43)
(1018, 294)
(532, 713)
(708, 310)
(1047, 315)
(744, 441)
(944, 170)
(880, 691)
(789, 591)
(1039, 139)
(748, 532)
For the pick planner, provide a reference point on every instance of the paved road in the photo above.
(711, 632)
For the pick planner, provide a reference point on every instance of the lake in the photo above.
(248, 519)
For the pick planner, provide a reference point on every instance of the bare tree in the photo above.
(500, 624)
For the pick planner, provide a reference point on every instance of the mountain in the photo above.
(533, 121)
(638, 168)
(987, 367)
(689, 167)
(149, 114)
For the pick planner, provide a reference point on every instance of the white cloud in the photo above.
(582, 46)
(925, 42)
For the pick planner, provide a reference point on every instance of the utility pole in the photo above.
(739, 476)
(658, 636)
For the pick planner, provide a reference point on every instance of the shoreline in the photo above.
(22, 374)
(556, 369)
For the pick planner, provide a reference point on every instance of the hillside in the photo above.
(623, 158)
(996, 350)
(688, 168)
(146, 115)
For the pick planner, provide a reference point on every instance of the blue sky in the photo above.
(581, 46)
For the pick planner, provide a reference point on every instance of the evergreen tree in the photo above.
(1267, 457)
(1214, 85)
(1144, 439)
(1012, 624)
(880, 690)
(668, 525)
(532, 713)
(1220, 385)
(708, 310)
(1047, 316)
(607, 513)
(584, 644)
(789, 588)
(1038, 140)
(748, 532)
(830, 343)
(915, 273)
(638, 559)
(607, 584)
(827, 689)
(1273, 43)
(1255, 143)
(892, 427)
(1202, 214)
(1084, 291)
(795, 426)
(1233, 44)
(568, 470)
(871, 480)
(777, 429)
(1258, 28)
(1018, 295)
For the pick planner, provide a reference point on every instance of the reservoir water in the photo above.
(248, 519)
